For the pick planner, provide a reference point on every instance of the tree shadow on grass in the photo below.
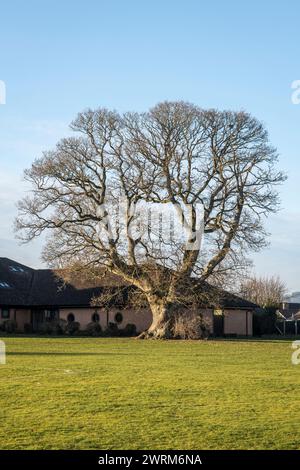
(272, 339)
(44, 353)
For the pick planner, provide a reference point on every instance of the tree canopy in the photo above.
(177, 154)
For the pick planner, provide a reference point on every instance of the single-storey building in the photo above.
(31, 297)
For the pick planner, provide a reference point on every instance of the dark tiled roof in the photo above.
(41, 287)
(218, 298)
(19, 279)
(228, 300)
(48, 289)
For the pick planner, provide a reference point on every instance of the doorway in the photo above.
(218, 324)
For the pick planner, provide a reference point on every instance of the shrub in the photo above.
(61, 326)
(264, 322)
(191, 326)
(112, 330)
(72, 328)
(9, 326)
(50, 328)
(93, 329)
(129, 330)
(45, 329)
(27, 328)
(56, 327)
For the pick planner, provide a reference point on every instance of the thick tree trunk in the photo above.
(172, 321)
(162, 326)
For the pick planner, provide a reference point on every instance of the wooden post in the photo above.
(296, 328)
(283, 327)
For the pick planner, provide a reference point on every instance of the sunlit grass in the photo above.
(85, 393)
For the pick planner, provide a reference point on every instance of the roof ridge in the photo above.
(12, 261)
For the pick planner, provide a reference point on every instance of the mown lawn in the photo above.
(85, 393)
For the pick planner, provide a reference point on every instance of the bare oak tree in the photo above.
(176, 153)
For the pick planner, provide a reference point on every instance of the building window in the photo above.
(5, 313)
(95, 317)
(71, 317)
(17, 269)
(4, 285)
(118, 317)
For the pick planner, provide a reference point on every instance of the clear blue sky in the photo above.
(59, 57)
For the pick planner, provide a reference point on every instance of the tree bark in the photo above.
(162, 326)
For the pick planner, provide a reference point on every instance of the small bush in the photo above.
(264, 322)
(129, 330)
(45, 329)
(61, 326)
(190, 326)
(93, 329)
(72, 328)
(9, 326)
(51, 328)
(27, 328)
(112, 330)
(55, 327)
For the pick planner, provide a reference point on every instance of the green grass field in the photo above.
(85, 393)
